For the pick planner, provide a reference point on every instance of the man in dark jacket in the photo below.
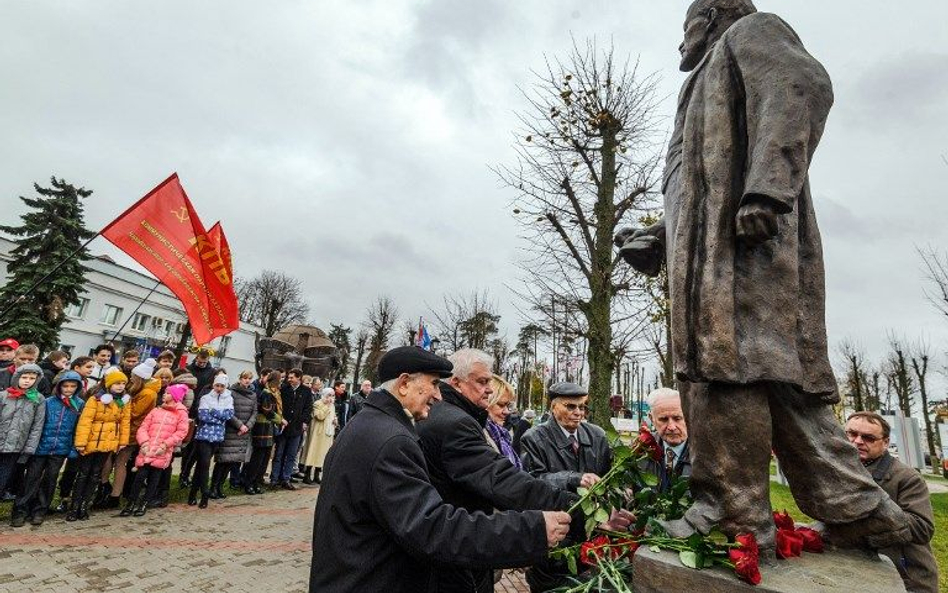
(671, 433)
(869, 433)
(380, 523)
(297, 411)
(567, 453)
(202, 370)
(346, 407)
(467, 471)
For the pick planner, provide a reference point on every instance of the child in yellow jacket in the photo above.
(103, 428)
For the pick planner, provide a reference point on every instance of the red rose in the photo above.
(748, 544)
(789, 543)
(783, 520)
(591, 552)
(628, 547)
(812, 541)
(647, 440)
(748, 569)
(746, 558)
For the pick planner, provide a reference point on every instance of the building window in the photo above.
(111, 315)
(78, 310)
(140, 322)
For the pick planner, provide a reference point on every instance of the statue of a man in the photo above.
(745, 272)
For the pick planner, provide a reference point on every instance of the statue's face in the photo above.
(696, 43)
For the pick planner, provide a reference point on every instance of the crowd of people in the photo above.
(438, 484)
(433, 488)
(107, 427)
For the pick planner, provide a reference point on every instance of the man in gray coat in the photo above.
(869, 433)
(745, 272)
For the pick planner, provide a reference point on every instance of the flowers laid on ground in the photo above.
(606, 557)
(792, 541)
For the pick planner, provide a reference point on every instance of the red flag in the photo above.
(163, 233)
(219, 240)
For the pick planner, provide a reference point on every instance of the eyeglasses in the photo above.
(574, 407)
(866, 438)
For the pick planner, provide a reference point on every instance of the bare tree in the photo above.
(271, 300)
(920, 356)
(466, 321)
(361, 340)
(380, 322)
(936, 271)
(899, 375)
(588, 158)
(855, 379)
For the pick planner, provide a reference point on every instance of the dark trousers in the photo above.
(255, 468)
(235, 474)
(188, 459)
(204, 452)
(87, 477)
(221, 471)
(732, 429)
(7, 467)
(164, 486)
(149, 475)
(39, 487)
(68, 478)
(284, 458)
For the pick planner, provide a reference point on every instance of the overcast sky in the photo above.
(349, 141)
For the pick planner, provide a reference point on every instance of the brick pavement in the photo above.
(244, 543)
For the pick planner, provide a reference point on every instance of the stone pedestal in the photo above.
(830, 572)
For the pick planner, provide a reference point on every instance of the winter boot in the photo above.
(203, 503)
(220, 491)
(37, 519)
(84, 511)
(128, 510)
(140, 508)
(102, 494)
(308, 476)
(192, 496)
(316, 472)
(17, 520)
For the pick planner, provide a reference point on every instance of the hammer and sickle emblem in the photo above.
(181, 214)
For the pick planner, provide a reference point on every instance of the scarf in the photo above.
(31, 394)
(71, 402)
(502, 438)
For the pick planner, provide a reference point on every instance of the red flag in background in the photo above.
(223, 268)
(163, 233)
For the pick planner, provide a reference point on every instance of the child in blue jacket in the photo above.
(55, 445)
(216, 407)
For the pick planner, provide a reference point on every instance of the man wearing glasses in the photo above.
(869, 433)
(567, 452)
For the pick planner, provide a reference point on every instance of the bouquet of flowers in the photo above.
(607, 556)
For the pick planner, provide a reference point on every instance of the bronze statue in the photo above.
(745, 271)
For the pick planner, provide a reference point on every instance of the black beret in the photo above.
(412, 359)
(566, 389)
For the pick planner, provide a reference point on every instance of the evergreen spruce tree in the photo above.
(51, 231)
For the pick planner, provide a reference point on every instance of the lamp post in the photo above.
(435, 342)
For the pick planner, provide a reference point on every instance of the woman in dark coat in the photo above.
(233, 450)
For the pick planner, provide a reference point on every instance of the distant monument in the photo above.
(745, 271)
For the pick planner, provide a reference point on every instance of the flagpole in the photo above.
(36, 284)
(132, 314)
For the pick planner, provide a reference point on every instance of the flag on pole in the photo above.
(423, 340)
(219, 240)
(163, 233)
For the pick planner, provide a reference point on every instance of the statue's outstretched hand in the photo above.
(756, 223)
(641, 249)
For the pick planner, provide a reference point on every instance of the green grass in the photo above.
(780, 499)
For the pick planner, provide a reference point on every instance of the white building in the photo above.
(113, 293)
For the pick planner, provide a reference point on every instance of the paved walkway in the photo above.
(244, 543)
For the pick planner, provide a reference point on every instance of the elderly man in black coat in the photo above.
(467, 471)
(566, 453)
(380, 523)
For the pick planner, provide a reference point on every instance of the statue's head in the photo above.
(705, 22)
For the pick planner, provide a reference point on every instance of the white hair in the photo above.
(390, 384)
(660, 394)
(465, 359)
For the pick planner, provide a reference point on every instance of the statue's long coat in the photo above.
(749, 119)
